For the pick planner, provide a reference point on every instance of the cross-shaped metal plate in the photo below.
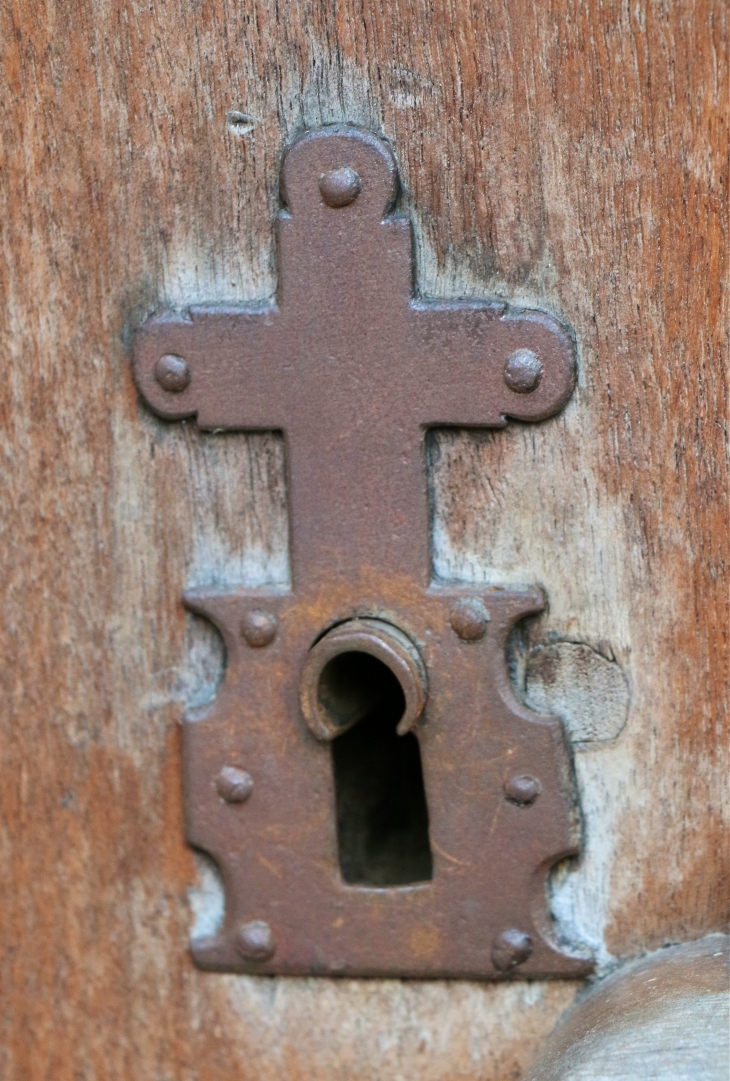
(354, 368)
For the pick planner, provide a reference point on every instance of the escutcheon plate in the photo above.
(354, 368)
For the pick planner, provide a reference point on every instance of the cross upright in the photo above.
(353, 367)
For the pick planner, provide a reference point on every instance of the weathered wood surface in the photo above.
(566, 154)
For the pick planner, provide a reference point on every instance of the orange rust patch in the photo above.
(425, 940)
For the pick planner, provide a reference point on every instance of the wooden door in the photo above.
(558, 154)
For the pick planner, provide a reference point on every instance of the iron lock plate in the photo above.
(354, 368)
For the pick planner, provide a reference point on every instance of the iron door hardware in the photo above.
(354, 367)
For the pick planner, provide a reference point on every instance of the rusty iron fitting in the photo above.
(510, 949)
(340, 187)
(255, 941)
(469, 620)
(259, 628)
(234, 785)
(522, 789)
(172, 373)
(523, 371)
(337, 688)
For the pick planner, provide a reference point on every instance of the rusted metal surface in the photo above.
(328, 713)
(354, 368)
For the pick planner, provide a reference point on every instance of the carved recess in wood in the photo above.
(354, 368)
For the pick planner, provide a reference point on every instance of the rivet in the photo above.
(523, 371)
(234, 785)
(469, 619)
(172, 373)
(255, 941)
(510, 949)
(259, 628)
(340, 187)
(522, 788)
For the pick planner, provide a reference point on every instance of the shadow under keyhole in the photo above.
(382, 815)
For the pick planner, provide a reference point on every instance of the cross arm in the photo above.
(478, 364)
(217, 363)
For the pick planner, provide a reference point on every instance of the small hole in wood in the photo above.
(239, 123)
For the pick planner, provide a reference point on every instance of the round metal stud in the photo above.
(234, 785)
(340, 187)
(172, 373)
(469, 620)
(510, 949)
(523, 371)
(259, 628)
(522, 788)
(255, 942)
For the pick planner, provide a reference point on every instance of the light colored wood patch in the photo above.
(586, 690)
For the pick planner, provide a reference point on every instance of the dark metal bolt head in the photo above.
(523, 371)
(234, 785)
(469, 619)
(255, 941)
(510, 949)
(522, 789)
(172, 373)
(259, 628)
(340, 187)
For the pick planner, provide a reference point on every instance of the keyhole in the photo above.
(382, 815)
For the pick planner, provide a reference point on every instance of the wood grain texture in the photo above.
(586, 689)
(557, 153)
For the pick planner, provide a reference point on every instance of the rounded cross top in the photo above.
(339, 169)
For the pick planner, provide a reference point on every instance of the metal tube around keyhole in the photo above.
(340, 683)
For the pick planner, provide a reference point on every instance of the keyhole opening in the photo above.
(382, 815)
